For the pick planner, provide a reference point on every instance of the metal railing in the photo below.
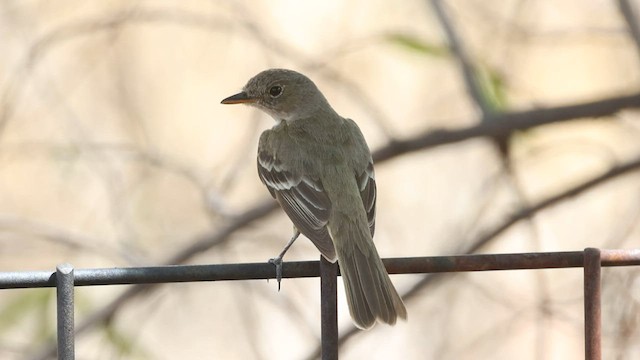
(65, 278)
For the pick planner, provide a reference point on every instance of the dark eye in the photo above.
(275, 91)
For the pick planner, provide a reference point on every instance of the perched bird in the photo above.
(317, 165)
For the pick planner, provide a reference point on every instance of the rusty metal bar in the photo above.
(65, 278)
(592, 306)
(485, 262)
(619, 257)
(305, 269)
(161, 274)
(329, 309)
(65, 309)
(518, 261)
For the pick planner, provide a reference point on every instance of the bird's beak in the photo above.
(239, 98)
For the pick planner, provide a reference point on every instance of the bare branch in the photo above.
(466, 67)
(505, 123)
(59, 236)
(43, 45)
(113, 21)
(631, 18)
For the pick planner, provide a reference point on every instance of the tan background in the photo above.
(115, 151)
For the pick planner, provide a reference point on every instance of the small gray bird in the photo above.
(317, 165)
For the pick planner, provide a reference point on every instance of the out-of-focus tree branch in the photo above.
(631, 18)
(470, 78)
(12, 95)
(488, 108)
(466, 66)
(57, 235)
(505, 123)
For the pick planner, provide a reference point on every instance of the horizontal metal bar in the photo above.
(302, 269)
(617, 257)
(485, 262)
(160, 274)
(518, 261)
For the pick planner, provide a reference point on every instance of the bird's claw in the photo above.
(277, 262)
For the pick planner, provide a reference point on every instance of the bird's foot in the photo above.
(277, 262)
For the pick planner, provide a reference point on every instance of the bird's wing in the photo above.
(302, 198)
(367, 187)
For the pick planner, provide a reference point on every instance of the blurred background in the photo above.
(115, 151)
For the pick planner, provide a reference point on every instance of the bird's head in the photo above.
(286, 95)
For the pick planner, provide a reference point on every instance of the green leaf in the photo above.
(416, 44)
(492, 85)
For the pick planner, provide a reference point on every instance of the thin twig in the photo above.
(631, 18)
(505, 123)
(466, 66)
(59, 236)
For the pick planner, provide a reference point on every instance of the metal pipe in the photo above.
(618, 257)
(484, 262)
(592, 306)
(304, 269)
(329, 309)
(64, 287)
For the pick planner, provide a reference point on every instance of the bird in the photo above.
(318, 167)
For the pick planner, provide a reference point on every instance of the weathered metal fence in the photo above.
(65, 278)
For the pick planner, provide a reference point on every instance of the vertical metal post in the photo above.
(592, 306)
(64, 288)
(329, 309)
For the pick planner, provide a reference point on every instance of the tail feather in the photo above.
(374, 276)
(358, 305)
(370, 293)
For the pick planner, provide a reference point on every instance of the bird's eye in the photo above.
(275, 91)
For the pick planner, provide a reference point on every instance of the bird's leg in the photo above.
(277, 261)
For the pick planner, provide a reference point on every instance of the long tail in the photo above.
(370, 293)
